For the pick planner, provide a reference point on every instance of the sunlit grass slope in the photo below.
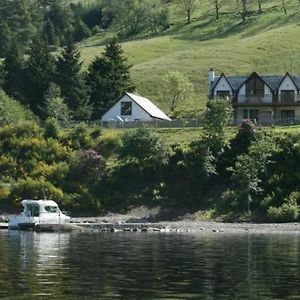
(267, 43)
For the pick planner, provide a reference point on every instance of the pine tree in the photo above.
(108, 78)
(21, 20)
(39, 72)
(72, 84)
(5, 39)
(49, 34)
(13, 69)
(81, 30)
(2, 76)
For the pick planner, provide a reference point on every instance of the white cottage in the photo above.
(134, 108)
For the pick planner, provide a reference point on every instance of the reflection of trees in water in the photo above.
(154, 265)
(150, 265)
(28, 260)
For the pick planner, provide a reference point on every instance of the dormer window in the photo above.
(255, 87)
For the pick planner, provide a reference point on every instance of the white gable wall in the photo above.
(268, 95)
(288, 85)
(242, 93)
(222, 85)
(137, 112)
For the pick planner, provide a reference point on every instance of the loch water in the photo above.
(148, 266)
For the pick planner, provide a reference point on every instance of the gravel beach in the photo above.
(144, 219)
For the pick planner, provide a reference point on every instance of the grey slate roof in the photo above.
(273, 81)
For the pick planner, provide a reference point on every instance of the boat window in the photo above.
(33, 210)
(51, 209)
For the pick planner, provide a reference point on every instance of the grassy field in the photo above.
(266, 43)
(184, 136)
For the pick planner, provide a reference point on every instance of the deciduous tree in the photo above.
(176, 88)
(218, 5)
(217, 117)
(189, 7)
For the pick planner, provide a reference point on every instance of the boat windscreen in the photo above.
(51, 209)
(32, 210)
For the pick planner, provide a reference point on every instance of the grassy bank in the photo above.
(264, 43)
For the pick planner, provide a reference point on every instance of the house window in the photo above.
(251, 114)
(223, 94)
(287, 96)
(288, 115)
(255, 87)
(126, 108)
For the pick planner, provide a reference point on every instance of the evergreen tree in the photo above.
(21, 21)
(108, 78)
(5, 38)
(49, 34)
(2, 76)
(72, 84)
(81, 30)
(61, 18)
(13, 69)
(39, 72)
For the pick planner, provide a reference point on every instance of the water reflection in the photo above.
(149, 266)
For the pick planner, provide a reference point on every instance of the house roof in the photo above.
(148, 106)
(273, 81)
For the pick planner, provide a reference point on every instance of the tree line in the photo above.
(49, 85)
(51, 20)
(56, 22)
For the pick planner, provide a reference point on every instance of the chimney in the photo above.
(211, 76)
(211, 79)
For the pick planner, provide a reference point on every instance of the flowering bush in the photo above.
(88, 166)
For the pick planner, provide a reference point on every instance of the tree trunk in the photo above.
(217, 6)
(259, 6)
(284, 7)
(249, 200)
(188, 16)
(244, 9)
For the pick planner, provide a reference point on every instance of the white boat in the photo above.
(38, 212)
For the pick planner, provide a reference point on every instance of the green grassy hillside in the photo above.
(267, 43)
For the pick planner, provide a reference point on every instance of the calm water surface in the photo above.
(148, 266)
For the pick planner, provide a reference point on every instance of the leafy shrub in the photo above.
(80, 137)
(231, 200)
(5, 203)
(11, 111)
(31, 188)
(55, 173)
(109, 144)
(56, 108)
(54, 151)
(143, 146)
(8, 166)
(51, 128)
(20, 129)
(87, 166)
(4, 191)
(287, 212)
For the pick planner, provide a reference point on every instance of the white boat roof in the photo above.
(39, 202)
(149, 107)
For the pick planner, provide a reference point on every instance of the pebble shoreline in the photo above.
(120, 224)
(191, 226)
